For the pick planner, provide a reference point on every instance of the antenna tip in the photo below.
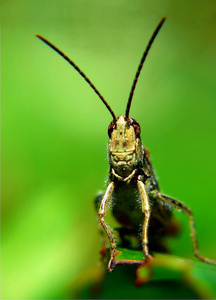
(163, 20)
(40, 37)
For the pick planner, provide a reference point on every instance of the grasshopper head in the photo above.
(123, 128)
(125, 147)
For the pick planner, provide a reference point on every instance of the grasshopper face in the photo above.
(125, 147)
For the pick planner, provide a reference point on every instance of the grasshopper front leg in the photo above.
(101, 214)
(147, 211)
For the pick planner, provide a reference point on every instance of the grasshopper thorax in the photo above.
(125, 147)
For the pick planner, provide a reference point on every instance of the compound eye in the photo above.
(137, 130)
(136, 127)
(110, 128)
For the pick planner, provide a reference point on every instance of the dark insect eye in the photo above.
(136, 127)
(110, 128)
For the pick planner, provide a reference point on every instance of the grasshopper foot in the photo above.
(148, 260)
(111, 265)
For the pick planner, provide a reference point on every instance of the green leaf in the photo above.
(165, 277)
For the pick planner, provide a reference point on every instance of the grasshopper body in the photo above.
(132, 186)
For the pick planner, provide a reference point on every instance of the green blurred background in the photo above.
(54, 128)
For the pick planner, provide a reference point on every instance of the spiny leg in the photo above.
(101, 214)
(179, 205)
(101, 231)
(146, 210)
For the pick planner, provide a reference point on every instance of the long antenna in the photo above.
(141, 65)
(79, 71)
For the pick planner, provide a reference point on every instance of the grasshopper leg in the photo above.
(179, 205)
(101, 214)
(147, 211)
(101, 231)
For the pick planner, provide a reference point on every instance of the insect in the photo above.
(132, 180)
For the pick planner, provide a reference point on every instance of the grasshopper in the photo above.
(132, 179)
